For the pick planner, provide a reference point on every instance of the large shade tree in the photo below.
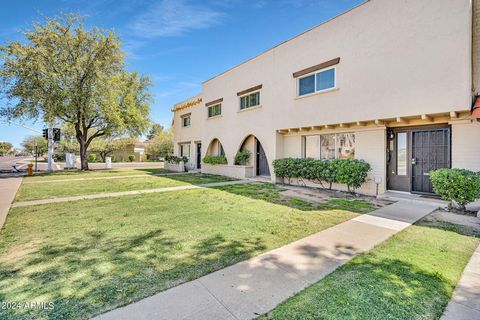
(64, 72)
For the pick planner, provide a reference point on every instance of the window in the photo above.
(330, 146)
(402, 154)
(185, 150)
(221, 151)
(214, 110)
(186, 121)
(251, 100)
(317, 82)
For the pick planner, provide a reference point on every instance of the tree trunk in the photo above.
(83, 154)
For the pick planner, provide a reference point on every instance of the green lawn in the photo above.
(46, 190)
(59, 175)
(91, 256)
(410, 276)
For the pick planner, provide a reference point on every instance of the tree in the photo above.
(66, 73)
(154, 131)
(104, 147)
(5, 147)
(161, 145)
(28, 144)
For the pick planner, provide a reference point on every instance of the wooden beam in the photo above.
(379, 122)
(343, 125)
(317, 128)
(453, 114)
(293, 130)
(427, 117)
(327, 126)
(401, 120)
(211, 103)
(361, 124)
(256, 88)
(305, 128)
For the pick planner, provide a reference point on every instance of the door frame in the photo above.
(410, 130)
(198, 150)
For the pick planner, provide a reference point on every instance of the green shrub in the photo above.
(175, 160)
(456, 185)
(351, 172)
(214, 160)
(92, 157)
(131, 157)
(242, 157)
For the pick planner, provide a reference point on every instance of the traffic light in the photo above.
(56, 134)
(45, 133)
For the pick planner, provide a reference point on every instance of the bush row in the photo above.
(175, 160)
(213, 160)
(456, 185)
(351, 172)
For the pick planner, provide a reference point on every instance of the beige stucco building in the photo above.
(392, 82)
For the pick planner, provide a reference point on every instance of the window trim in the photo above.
(180, 145)
(335, 134)
(212, 106)
(246, 95)
(186, 116)
(315, 91)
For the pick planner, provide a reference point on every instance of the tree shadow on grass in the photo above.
(371, 288)
(92, 274)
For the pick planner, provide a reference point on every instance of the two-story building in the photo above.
(393, 82)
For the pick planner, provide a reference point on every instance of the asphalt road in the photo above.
(7, 162)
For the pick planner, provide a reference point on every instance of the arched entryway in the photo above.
(215, 148)
(258, 159)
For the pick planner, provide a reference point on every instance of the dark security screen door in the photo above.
(262, 163)
(430, 151)
(199, 155)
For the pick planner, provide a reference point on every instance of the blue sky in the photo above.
(178, 43)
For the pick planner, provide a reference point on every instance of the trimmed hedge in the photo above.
(131, 157)
(351, 172)
(456, 185)
(175, 160)
(214, 160)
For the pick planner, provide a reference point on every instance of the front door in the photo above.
(262, 163)
(430, 151)
(199, 155)
(413, 153)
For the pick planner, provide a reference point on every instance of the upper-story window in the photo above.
(250, 100)
(317, 82)
(215, 110)
(186, 120)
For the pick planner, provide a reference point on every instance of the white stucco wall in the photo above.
(466, 145)
(397, 58)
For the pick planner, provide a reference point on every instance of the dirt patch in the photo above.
(16, 253)
(319, 196)
(464, 223)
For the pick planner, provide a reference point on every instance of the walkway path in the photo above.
(124, 193)
(465, 302)
(9, 185)
(254, 287)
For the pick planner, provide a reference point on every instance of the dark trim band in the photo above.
(241, 93)
(323, 65)
(211, 103)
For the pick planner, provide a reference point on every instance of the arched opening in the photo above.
(258, 158)
(215, 148)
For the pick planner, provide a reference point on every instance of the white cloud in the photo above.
(174, 18)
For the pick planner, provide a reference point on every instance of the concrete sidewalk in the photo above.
(8, 188)
(465, 302)
(124, 193)
(256, 286)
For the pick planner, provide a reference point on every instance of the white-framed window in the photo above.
(250, 100)
(185, 150)
(186, 120)
(317, 82)
(329, 146)
(215, 110)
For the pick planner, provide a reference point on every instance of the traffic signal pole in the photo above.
(50, 149)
